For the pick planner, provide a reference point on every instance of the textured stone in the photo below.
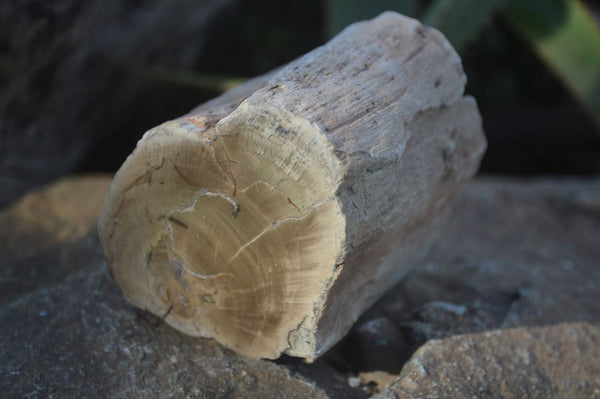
(67, 332)
(515, 255)
(560, 361)
(50, 233)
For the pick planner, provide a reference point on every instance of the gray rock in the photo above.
(82, 339)
(518, 258)
(71, 76)
(559, 361)
(513, 254)
(50, 233)
(66, 330)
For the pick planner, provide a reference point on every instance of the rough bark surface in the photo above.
(270, 221)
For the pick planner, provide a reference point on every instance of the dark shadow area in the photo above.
(533, 125)
(78, 97)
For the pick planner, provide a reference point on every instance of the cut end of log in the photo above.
(270, 218)
(237, 230)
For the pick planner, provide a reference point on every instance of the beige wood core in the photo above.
(239, 230)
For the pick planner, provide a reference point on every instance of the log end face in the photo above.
(229, 231)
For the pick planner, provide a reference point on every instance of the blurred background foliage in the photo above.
(533, 65)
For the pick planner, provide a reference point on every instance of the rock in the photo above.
(49, 234)
(514, 255)
(76, 336)
(82, 339)
(560, 361)
(72, 75)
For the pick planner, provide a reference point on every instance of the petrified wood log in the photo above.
(271, 217)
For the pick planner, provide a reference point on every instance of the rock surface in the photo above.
(506, 305)
(49, 234)
(560, 361)
(514, 254)
(82, 339)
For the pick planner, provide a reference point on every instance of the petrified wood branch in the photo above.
(271, 217)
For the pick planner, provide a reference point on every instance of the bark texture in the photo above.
(271, 218)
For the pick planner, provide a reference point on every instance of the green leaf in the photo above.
(566, 37)
(460, 20)
(341, 13)
(210, 82)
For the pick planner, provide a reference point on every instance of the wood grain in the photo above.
(271, 217)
